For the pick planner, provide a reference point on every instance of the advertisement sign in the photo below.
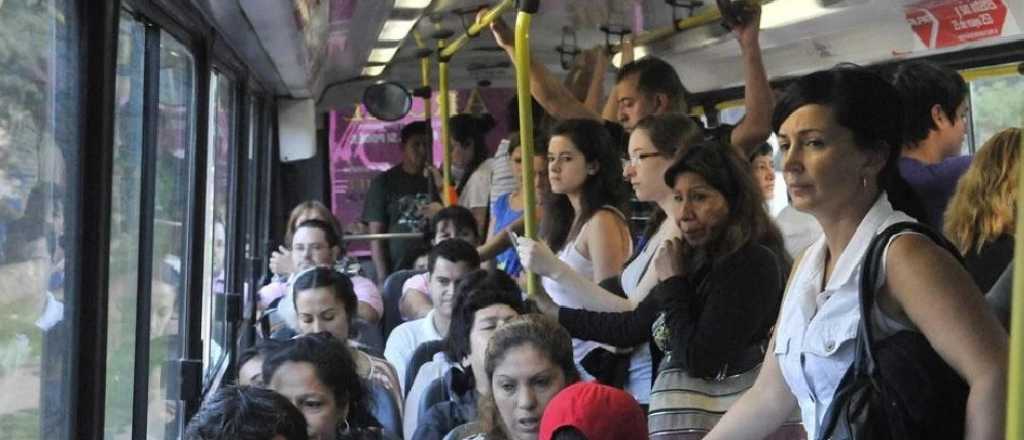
(946, 23)
(362, 146)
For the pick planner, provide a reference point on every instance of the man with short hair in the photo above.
(650, 86)
(247, 413)
(934, 125)
(397, 197)
(447, 263)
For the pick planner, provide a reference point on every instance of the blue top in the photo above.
(504, 215)
(934, 184)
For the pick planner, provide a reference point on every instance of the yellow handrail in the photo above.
(522, 54)
(1015, 382)
(446, 168)
(991, 71)
(493, 14)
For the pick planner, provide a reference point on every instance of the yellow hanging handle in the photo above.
(1015, 392)
(522, 55)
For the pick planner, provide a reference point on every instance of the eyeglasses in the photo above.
(635, 160)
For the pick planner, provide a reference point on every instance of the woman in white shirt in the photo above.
(840, 132)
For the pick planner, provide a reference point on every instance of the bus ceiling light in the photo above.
(382, 55)
(638, 53)
(396, 30)
(373, 70)
(786, 12)
(411, 4)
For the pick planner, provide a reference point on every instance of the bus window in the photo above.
(221, 143)
(175, 141)
(125, 221)
(996, 103)
(39, 141)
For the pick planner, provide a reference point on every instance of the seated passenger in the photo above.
(250, 361)
(840, 132)
(449, 261)
(981, 216)
(484, 301)
(318, 375)
(934, 102)
(652, 145)
(451, 222)
(247, 413)
(317, 243)
(324, 302)
(507, 209)
(583, 221)
(281, 264)
(528, 361)
(594, 412)
(719, 287)
(471, 168)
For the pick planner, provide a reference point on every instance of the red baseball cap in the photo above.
(598, 411)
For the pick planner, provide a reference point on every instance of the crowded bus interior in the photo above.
(511, 219)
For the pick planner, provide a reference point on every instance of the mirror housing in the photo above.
(387, 101)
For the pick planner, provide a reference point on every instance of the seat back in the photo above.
(392, 295)
(384, 408)
(423, 354)
(367, 336)
(435, 393)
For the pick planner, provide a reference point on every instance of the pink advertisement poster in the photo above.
(362, 146)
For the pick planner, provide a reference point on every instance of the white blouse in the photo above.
(817, 328)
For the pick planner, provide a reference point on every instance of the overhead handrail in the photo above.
(445, 53)
(457, 44)
(1015, 382)
(522, 55)
(387, 236)
(707, 16)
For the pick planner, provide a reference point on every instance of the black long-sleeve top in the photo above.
(713, 313)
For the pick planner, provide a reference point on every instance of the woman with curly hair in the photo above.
(980, 216)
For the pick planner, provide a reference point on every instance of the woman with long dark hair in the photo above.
(583, 218)
(318, 375)
(471, 166)
(652, 146)
(719, 285)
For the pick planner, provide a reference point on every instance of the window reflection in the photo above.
(175, 140)
(38, 143)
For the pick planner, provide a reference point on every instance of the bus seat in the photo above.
(392, 295)
(367, 336)
(465, 431)
(423, 354)
(385, 409)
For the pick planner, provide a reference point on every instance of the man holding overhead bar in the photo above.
(650, 86)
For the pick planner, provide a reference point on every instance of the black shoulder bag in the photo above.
(898, 387)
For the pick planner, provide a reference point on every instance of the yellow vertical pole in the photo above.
(442, 78)
(1015, 392)
(425, 74)
(522, 55)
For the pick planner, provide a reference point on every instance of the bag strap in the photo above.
(864, 362)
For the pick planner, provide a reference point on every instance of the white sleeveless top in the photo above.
(574, 259)
(638, 279)
(817, 329)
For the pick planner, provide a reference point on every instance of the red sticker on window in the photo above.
(945, 23)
